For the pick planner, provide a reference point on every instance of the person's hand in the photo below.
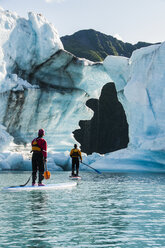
(45, 160)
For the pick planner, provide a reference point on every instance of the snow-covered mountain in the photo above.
(44, 86)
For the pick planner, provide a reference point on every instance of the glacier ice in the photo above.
(143, 95)
(42, 85)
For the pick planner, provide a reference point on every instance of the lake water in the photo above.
(107, 210)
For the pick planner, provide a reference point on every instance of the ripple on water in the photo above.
(107, 210)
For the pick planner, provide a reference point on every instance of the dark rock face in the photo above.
(107, 131)
(95, 46)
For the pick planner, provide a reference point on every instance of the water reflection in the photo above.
(39, 219)
(38, 201)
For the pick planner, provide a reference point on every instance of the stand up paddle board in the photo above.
(75, 177)
(46, 187)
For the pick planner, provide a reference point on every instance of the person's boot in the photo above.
(34, 177)
(41, 177)
(34, 184)
(76, 174)
(41, 184)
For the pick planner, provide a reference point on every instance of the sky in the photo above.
(128, 20)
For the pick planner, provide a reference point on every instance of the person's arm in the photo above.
(80, 155)
(44, 150)
(71, 152)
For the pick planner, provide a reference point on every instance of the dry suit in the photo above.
(75, 155)
(39, 149)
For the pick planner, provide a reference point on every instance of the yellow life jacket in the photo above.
(35, 146)
(75, 153)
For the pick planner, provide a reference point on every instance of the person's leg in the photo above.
(34, 169)
(73, 166)
(77, 167)
(41, 168)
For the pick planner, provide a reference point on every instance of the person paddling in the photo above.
(39, 158)
(75, 154)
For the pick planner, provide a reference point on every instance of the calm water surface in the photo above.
(107, 210)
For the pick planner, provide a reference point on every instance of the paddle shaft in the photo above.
(28, 179)
(22, 184)
(91, 168)
(46, 166)
(26, 182)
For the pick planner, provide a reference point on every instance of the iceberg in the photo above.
(141, 91)
(44, 86)
(140, 83)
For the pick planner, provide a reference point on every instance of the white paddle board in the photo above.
(46, 187)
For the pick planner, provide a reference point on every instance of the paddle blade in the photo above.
(97, 171)
(47, 175)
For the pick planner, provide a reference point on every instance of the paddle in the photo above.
(22, 184)
(91, 168)
(46, 173)
(46, 176)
